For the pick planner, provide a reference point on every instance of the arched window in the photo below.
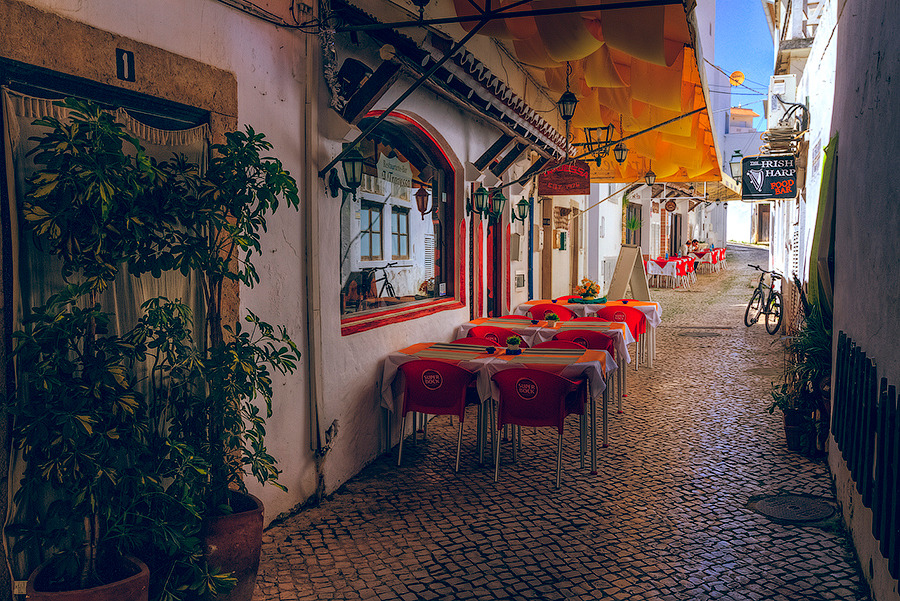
(397, 236)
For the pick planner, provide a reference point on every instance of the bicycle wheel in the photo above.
(774, 313)
(754, 308)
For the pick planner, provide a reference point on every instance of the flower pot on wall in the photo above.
(233, 543)
(134, 587)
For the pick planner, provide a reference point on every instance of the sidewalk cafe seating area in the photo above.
(561, 366)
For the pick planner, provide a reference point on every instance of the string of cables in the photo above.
(786, 136)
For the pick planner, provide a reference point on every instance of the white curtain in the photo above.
(36, 275)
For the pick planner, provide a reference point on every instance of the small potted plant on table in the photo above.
(551, 317)
(512, 345)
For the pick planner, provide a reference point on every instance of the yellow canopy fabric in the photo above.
(635, 66)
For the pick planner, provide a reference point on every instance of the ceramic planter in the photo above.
(233, 543)
(132, 588)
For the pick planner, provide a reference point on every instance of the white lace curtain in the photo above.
(36, 275)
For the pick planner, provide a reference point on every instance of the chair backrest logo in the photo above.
(431, 379)
(526, 388)
(620, 316)
(493, 337)
(581, 341)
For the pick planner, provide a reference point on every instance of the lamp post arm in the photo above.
(404, 96)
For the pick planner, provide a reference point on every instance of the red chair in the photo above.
(633, 318)
(434, 388)
(496, 335)
(564, 313)
(589, 339)
(532, 397)
(521, 317)
(575, 404)
(564, 344)
(475, 340)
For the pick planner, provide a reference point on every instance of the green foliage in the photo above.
(134, 472)
(86, 198)
(513, 340)
(807, 377)
(633, 224)
(79, 422)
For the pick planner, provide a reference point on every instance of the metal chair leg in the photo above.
(403, 421)
(497, 460)
(458, 444)
(513, 439)
(558, 458)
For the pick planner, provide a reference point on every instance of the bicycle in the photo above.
(386, 286)
(765, 301)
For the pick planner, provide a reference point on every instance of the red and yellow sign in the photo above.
(566, 180)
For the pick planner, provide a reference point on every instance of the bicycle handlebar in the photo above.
(775, 274)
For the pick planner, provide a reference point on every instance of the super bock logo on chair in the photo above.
(526, 388)
(619, 316)
(431, 379)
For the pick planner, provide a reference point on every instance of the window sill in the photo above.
(376, 319)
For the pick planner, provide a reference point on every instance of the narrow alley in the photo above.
(670, 515)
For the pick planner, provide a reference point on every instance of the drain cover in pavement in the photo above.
(794, 508)
(699, 334)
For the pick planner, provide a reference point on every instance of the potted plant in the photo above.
(552, 317)
(588, 289)
(79, 422)
(804, 396)
(512, 345)
(205, 429)
(798, 417)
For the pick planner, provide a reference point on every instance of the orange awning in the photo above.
(634, 66)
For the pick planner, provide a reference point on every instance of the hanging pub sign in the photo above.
(566, 180)
(768, 177)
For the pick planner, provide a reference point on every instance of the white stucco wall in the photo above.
(352, 364)
(268, 65)
(603, 235)
(867, 287)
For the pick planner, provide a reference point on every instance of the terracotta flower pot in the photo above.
(132, 588)
(233, 543)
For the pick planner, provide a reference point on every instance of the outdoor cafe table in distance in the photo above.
(535, 331)
(651, 310)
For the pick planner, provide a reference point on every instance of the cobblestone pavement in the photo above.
(668, 517)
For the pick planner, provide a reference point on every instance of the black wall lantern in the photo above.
(523, 208)
(477, 202)
(422, 202)
(352, 165)
(735, 164)
(495, 205)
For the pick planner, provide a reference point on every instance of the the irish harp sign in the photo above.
(768, 177)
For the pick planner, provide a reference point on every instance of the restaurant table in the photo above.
(524, 328)
(569, 363)
(650, 309)
(468, 356)
(580, 309)
(676, 268)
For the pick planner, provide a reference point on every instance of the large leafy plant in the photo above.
(195, 428)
